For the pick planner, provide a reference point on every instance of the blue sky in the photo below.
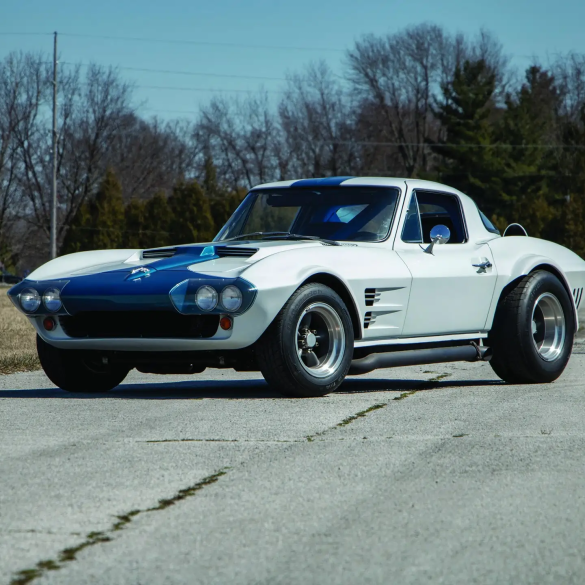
(324, 27)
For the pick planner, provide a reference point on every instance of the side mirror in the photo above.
(440, 234)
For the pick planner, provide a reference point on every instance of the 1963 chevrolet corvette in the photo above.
(310, 281)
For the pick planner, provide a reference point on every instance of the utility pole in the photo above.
(54, 185)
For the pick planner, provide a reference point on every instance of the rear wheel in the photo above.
(533, 330)
(308, 349)
(78, 371)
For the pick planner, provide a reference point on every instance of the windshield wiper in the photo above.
(289, 236)
(252, 234)
(283, 236)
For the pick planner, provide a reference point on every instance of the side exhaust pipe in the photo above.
(419, 357)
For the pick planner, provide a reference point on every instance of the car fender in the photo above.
(518, 256)
(278, 276)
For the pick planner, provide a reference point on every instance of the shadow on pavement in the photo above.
(237, 389)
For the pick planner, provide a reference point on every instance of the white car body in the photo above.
(399, 294)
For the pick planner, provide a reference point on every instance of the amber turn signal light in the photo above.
(226, 323)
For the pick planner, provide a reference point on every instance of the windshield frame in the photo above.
(247, 205)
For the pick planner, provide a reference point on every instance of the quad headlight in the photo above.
(30, 300)
(206, 298)
(52, 299)
(231, 298)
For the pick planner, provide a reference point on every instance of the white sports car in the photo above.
(310, 281)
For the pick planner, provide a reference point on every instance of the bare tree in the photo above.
(317, 122)
(11, 69)
(240, 136)
(151, 156)
(398, 78)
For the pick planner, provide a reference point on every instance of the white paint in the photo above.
(419, 297)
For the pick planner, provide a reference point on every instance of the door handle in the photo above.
(482, 266)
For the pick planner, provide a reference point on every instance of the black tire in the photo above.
(73, 370)
(278, 349)
(513, 338)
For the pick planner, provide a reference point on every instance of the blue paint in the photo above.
(326, 182)
(114, 291)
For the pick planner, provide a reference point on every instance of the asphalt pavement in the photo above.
(433, 474)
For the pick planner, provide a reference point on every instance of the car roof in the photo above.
(363, 182)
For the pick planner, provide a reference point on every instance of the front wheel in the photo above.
(307, 350)
(533, 330)
(76, 371)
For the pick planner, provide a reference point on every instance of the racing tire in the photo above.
(74, 371)
(533, 332)
(308, 348)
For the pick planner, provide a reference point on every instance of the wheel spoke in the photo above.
(305, 322)
(310, 359)
(548, 327)
(320, 339)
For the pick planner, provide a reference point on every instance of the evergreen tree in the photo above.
(469, 162)
(222, 201)
(157, 222)
(191, 221)
(134, 224)
(79, 236)
(98, 224)
(529, 125)
(107, 214)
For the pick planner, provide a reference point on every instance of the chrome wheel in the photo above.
(320, 340)
(548, 327)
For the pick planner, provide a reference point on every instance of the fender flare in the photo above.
(526, 265)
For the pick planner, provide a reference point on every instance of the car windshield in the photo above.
(358, 214)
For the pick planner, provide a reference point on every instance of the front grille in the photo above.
(235, 252)
(159, 253)
(139, 324)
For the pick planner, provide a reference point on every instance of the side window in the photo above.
(412, 232)
(440, 208)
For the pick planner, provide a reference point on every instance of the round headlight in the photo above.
(30, 300)
(206, 298)
(52, 299)
(231, 298)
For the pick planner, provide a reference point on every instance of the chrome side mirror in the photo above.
(440, 234)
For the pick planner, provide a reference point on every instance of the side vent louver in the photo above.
(372, 297)
(369, 319)
(235, 252)
(578, 296)
(159, 253)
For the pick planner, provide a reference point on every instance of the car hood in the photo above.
(231, 258)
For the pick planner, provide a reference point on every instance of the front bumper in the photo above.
(169, 292)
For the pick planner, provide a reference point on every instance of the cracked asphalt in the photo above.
(432, 474)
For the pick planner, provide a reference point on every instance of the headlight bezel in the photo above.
(214, 296)
(240, 297)
(35, 295)
(183, 295)
(47, 292)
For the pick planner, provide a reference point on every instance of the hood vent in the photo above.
(235, 252)
(159, 253)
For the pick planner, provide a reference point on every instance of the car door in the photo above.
(452, 285)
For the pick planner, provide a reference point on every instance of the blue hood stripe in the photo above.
(327, 182)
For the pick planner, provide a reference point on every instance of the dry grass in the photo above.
(18, 352)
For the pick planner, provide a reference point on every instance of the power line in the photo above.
(215, 90)
(193, 73)
(24, 34)
(202, 43)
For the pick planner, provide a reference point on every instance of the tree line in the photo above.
(421, 102)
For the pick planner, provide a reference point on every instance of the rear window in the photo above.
(489, 226)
